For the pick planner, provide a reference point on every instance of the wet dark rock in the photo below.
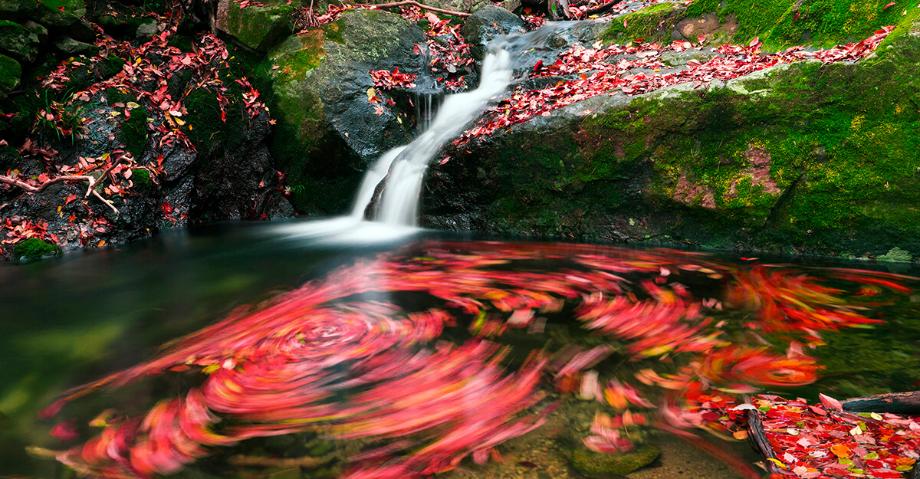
(487, 23)
(10, 73)
(328, 130)
(71, 47)
(146, 30)
(176, 163)
(258, 26)
(18, 40)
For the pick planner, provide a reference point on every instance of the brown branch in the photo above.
(414, 4)
(91, 183)
(602, 8)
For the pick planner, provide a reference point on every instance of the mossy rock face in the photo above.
(806, 159)
(18, 40)
(610, 466)
(258, 27)
(823, 23)
(10, 72)
(34, 249)
(327, 131)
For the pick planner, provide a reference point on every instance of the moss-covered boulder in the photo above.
(259, 26)
(34, 249)
(331, 120)
(10, 71)
(822, 23)
(17, 40)
(609, 466)
(60, 13)
(810, 158)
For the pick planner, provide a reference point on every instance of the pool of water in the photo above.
(242, 352)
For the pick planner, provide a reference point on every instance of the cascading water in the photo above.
(399, 202)
(399, 172)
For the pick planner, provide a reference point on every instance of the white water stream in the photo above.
(402, 169)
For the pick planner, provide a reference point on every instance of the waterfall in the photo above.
(402, 187)
(401, 170)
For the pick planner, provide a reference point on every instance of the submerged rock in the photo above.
(329, 128)
(609, 466)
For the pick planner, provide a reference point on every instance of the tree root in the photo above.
(90, 189)
(414, 4)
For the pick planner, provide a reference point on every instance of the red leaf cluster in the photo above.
(386, 79)
(18, 229)
(449, 54)
(814, 441)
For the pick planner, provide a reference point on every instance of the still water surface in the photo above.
(430, 354)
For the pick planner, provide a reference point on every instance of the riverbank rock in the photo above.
(332, 120)
(793, 160)
(187, 144)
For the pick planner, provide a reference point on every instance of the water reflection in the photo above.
(414, 361)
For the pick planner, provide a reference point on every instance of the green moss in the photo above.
(10, 72)
(908, 25)
(780, 24)
(109, 66)
(896, 255)
(260, 27)
(60, 13)
(604, 466)
(651, 24)
(204, 125)
(34, 249)
(133, 133)
(141, 179)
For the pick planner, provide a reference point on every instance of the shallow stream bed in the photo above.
(242, 352)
